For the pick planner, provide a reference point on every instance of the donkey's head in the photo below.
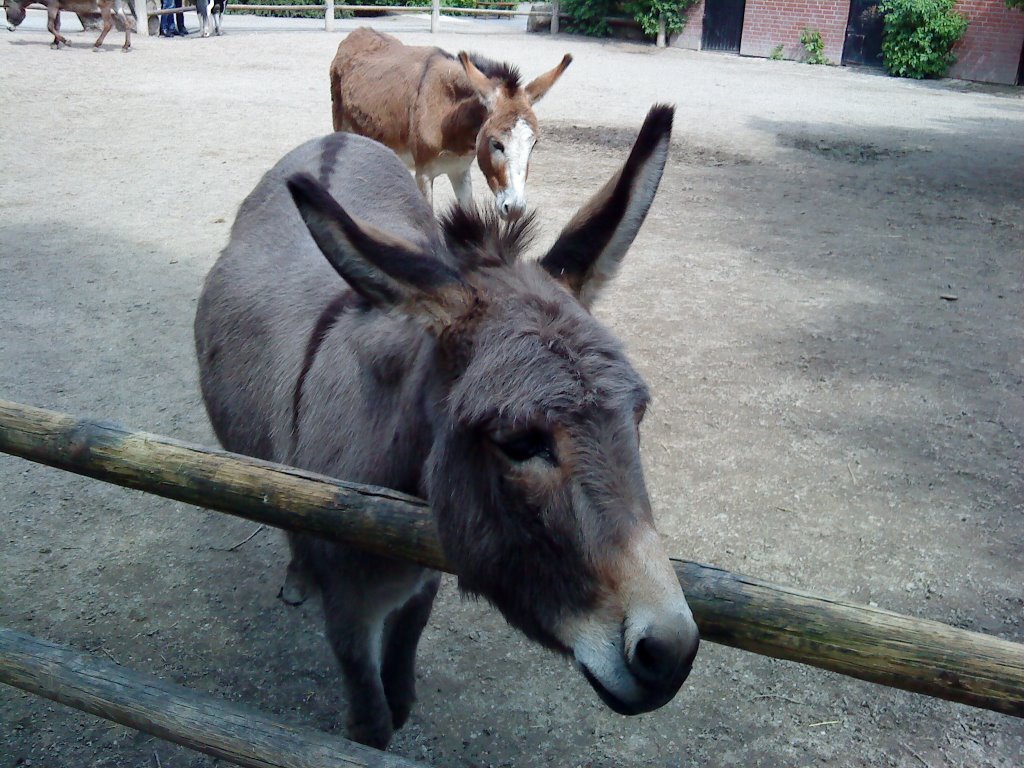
(534, 471)
(507, 137)
(15, 12)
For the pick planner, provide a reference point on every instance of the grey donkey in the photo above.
(346, 331)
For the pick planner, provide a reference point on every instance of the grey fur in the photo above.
(459, 373)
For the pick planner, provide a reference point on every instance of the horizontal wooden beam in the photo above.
(196, 720)
(867, 643)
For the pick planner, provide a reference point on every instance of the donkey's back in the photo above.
(252, 353)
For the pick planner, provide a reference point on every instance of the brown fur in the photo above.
(433, 109)
(347, 332)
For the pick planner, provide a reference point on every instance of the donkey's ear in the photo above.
(486, 91)
(387, 271)
(536, 88)
(590, 249)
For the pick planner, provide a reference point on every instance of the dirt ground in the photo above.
(826, 415)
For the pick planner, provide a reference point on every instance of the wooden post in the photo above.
(555, 10)
(329, 16)
(660, 42)
(435, 16)
(141, 11)
(867, 643)
(195, 720)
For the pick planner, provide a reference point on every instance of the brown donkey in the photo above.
(345, 331)
(438, 112)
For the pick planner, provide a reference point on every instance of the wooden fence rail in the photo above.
(196, 720)
(867, 643)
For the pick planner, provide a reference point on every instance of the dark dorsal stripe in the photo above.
(339, 304)
(332, 148)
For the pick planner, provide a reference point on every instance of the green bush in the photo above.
(280, 14)
(919, 36)
(647, 13)
(587, 17)
(811, 40)
(340, 14)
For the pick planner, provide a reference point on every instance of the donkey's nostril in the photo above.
(663, 662)
(653, 660)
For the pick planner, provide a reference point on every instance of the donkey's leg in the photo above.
(108, 23)
(299, 581)
(401, 637)
(53, 24)
(354, 630)
(426, 184)
(120, 12)
(462, 183)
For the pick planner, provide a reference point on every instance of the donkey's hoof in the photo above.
(292, 593)
(290, 596)
(376, 735)
(400, 712)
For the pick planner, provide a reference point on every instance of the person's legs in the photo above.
(180, 18)
(167, 20)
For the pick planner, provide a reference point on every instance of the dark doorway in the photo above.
(1020, 67)
(863, 44)
(723, 25)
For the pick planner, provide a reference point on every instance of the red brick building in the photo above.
(991, 51)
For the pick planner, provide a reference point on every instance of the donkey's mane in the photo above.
(478, 238)
(507, 73)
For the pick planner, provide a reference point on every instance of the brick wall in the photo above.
(991, 48)
(768, 23)
(689, 38)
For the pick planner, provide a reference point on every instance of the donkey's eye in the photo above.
(523, 446)
(497, 146)
(638, 414)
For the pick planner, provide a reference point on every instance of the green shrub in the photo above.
(811, 40)
(281, 14)
(919, 36)
(587, 17)
(776, 53)
(319, 14)
(647, 13)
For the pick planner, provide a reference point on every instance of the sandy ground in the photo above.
(824, 419)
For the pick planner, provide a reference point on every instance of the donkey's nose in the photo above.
(662, 657)
(511, 210)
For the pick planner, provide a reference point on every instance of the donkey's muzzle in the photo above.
(658, 662)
